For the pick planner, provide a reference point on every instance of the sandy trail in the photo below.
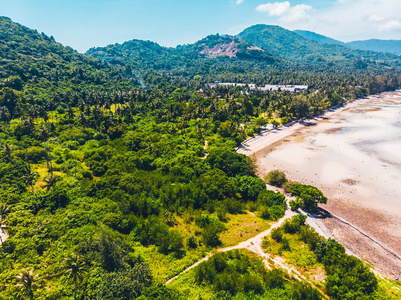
(253, 244)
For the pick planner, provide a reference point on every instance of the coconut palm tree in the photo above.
(7, 150)
(29, 176)
(51, 180)
(74, 269)
(43, 134)
(28, 282)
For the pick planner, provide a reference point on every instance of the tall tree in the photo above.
(28, 282)
(74, 269)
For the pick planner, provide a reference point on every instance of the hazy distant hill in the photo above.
(390, 46)
(387, 46)
(318, 37)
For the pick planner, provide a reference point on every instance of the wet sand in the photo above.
(353, 155)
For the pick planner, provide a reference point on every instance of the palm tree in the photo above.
(28, 282)
(7, 150)
(29, 176)
(43, 134)
(74, 269)
(70, 112)
(50, 181)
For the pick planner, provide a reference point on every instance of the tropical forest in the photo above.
(120, 176)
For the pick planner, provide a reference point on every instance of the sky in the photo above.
(82, 24)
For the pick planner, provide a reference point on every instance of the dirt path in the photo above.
(253, 244)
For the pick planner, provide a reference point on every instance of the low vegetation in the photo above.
(276, 178)
(326, 264)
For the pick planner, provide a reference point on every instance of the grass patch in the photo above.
(298, 256)
(164, 267)
(185, 285)
(388, 289)
(239, 228)
(242, 227)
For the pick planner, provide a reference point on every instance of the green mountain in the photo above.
(34, 61)
(390, 46)
(225, 53)
(321, 39)
(299, 49)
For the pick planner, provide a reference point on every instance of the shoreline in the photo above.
(279, 133)
(347, 223)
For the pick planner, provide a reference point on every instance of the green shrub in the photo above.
(303, 291)
(285, 245)
(276, 178)
(308, 196)
(33, 154)
(277, 235)
(294, 204)
(275, 279)
(192, 242)
(294, 225)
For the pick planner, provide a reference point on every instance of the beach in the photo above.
(353, 154)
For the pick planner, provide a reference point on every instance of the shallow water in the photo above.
(354, 157)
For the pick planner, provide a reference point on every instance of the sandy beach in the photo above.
(353, 154)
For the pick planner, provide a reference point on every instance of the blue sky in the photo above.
(82, 24)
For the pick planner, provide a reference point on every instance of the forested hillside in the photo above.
(318, 37)
(297, 48)
(36, 65)
(109, 189)
(213, 55)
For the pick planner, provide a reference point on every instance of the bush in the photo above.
(309, 196)
(250, 187)
(276, 178)
(210, 235)
(192, 242)
(277, 235)
(294, 225)
(264, 212)
(233, 206)
(303, 291)
(294, 204)
(274, 279)
(32, 154)
(87, 174)
(125, 284)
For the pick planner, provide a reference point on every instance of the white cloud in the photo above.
(390, 25)
(286, 12)
(274, 9)
(297, 13)
(345, 20)
(375, 18)
(238, 2)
